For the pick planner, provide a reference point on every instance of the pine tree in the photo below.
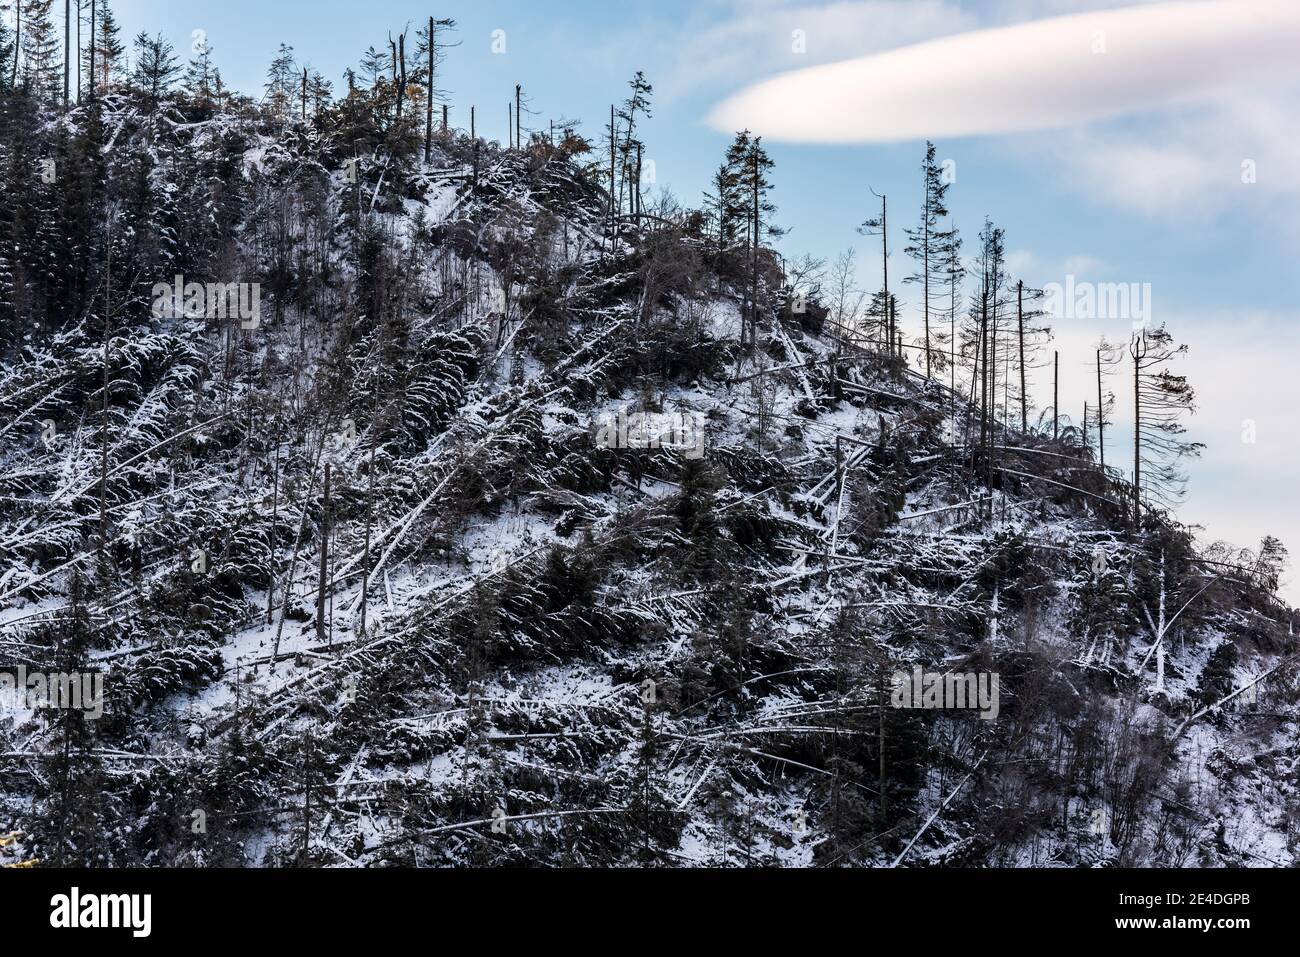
(7, 49)
(79, 810)
(725, 206)
(17, 42)
(80, 202)
(1160, 401)
(1270, 563)
(847, 813)
(748, 165)
(201, 78)
(281, 83)
(320, 92)
(374, 67)
(40, 48)
(67, 52)
(928, 247)
(981, 340)
(637, 103)
(105, 54)
(156, 67)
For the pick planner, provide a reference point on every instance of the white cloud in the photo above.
(1020, 261)
(1023, 262)
(1192, 164)
(1044, 74)
(726, 42)
(1082, 265)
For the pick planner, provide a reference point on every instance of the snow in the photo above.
(517, 612)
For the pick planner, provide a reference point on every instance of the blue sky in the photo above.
(1152, 194)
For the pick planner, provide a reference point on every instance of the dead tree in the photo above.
(324, 559)
(1056, 396)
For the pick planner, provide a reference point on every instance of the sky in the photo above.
(1147, 142)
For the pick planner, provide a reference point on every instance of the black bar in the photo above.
(942, 907)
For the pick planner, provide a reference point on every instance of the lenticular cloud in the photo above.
(1045, 74)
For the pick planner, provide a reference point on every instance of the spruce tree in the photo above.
(105, 54)
(927, 245)
(80, 812)
(156, 67)
(7, 49)
(1161, 400)
(636, 106)
(201, 78)
(281, 81)
(40, 49)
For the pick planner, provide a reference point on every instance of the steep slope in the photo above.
(376, 579)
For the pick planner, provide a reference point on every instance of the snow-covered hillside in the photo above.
(375, 577)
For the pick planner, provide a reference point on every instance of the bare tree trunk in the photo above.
(1137, 437)
(884, 240)
(428, 108)
(67, 51)
(835, 758)
(275, 516)
(926, 292)
(370, 479)
(637, 189)
(895, 339)
(365, 560)
(880, 746)
(613, 213)
(1101, 417)
(992, 362)
(324, 559)
(952, 352)
(1056, 396)
(392, 52)
(979, 375)
(92, 47)
(306, 804)
(986, 399)
(1020, 319)
(103, 427)
(401, 59)
(753, 298)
